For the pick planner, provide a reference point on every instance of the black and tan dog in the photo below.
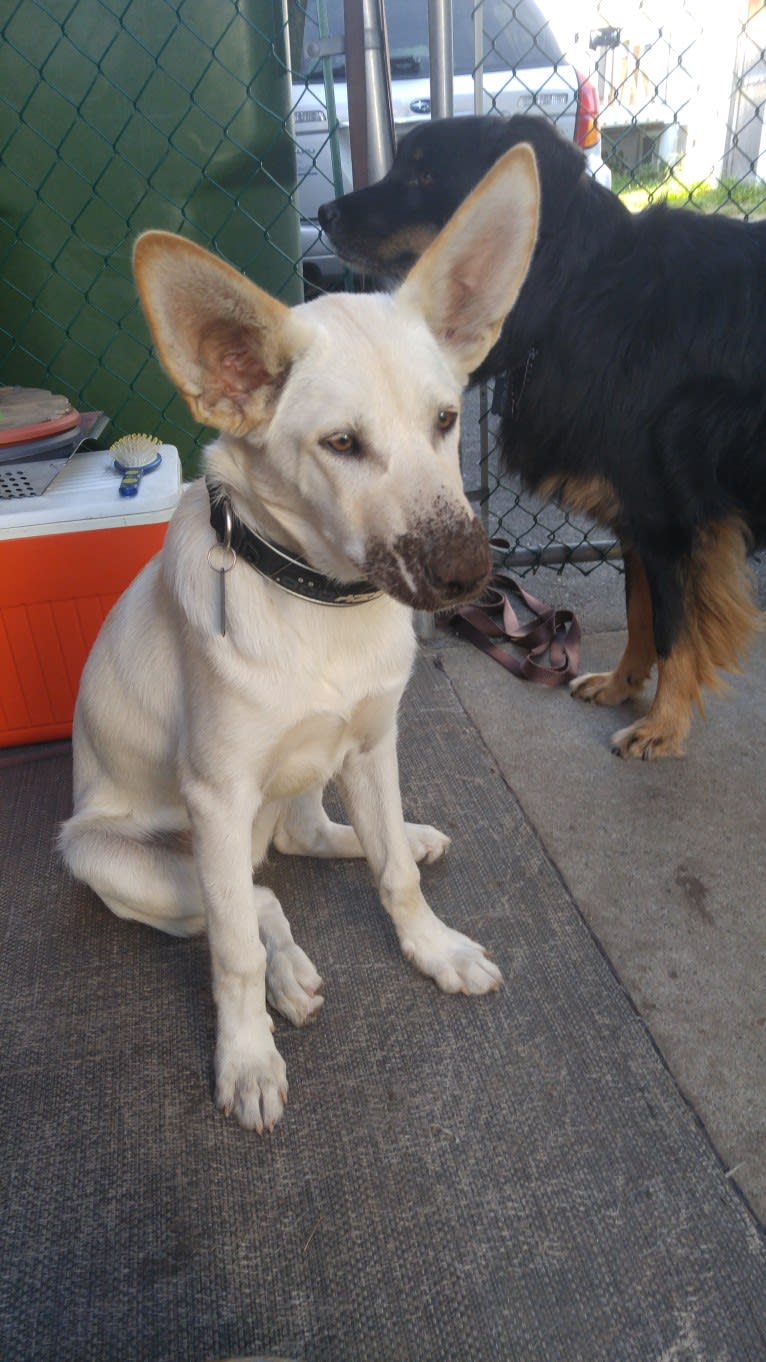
(636, 390)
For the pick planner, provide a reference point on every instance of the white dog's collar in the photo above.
(286, 570)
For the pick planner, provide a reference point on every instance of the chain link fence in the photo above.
(116, 116)
(228, 122)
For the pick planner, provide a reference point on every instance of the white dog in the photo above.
(266, 649)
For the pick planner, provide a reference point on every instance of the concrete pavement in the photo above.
(666, 860)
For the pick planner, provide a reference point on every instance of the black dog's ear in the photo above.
(496, 135)
(560, 164)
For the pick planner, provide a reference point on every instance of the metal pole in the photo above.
(555, 555)
(478, 57)
(478, 108)
(329, 99)
(442, 105)
(441, 57)
(380, 124)
(441, 63)
(356, 85)
(484, 453)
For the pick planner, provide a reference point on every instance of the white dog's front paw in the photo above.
(251, 1084)
(426, 844)
(292, 983)
(455, 962)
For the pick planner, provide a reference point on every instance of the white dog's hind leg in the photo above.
(136, 878)
(293, 986)
(292, 983)
(304, 829)
(370, 784)
(427, 844)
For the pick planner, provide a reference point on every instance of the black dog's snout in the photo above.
(328, 215)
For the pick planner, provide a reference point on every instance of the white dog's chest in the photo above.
(311, 750)
(308, 754)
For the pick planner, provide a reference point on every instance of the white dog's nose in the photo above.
(460, 563)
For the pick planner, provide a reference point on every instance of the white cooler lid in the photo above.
(85, 496)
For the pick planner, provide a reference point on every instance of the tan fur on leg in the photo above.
(721, 617)
(662, 731)
(628, 677)
(720, 608)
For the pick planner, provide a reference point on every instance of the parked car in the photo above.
(525, 71)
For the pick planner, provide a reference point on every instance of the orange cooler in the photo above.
(65, 557)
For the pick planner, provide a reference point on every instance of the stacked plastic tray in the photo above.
(39, 433)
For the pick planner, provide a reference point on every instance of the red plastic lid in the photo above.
(32, 413)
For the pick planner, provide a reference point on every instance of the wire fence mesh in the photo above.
(115, 117)
(228, 122)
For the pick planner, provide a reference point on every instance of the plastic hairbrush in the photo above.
(133, 456)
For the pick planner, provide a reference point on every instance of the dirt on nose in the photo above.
(458, 567)
(443, 561)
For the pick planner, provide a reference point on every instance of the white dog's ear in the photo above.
(225, 343)
(469, 277)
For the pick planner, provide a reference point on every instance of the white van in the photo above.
(525, 71)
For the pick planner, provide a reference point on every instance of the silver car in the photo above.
(524, 71)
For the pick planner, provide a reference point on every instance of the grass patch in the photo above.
(744, 199)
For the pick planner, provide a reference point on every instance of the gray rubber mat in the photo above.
(477, 1180)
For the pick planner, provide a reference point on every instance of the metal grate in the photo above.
(15, 482)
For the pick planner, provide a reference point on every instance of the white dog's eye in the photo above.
(343, 442)
(445, 419)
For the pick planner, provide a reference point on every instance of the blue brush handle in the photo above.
(131, 481)
(131, 477)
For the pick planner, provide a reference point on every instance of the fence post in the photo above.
(368, 80)
(274, 145)
(441, 57)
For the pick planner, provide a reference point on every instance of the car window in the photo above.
(514, 40)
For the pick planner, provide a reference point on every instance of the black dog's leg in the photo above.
(659, 631)
(704, 615)
(628, 677)
(654, 592)
(690, 597)
(660, 608)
